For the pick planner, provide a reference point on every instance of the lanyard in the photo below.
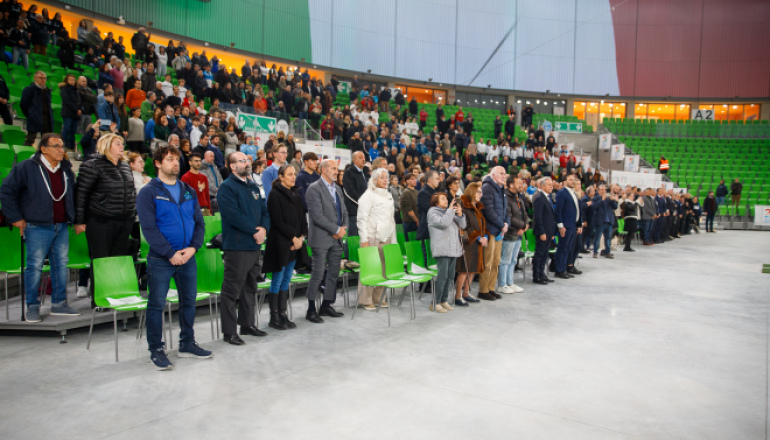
(49, 186)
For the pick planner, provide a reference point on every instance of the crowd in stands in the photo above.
(477, 208)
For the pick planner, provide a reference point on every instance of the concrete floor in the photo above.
(670, 342)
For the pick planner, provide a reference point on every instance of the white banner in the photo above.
(762, 215)
(617, 151)
(584, 160)
(604, 141)
(680, 190)
(646, 170)
(631, 163)
(668, 185)
(639, 180)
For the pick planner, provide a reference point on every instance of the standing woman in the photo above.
(288, 227)
(71, 110)
(376, 227)
(136, 162)
(396, 191)
(631, 213)
(445, 220)
(105, 202)
(135, 138)
(475, 237)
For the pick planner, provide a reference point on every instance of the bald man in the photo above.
(495, 213)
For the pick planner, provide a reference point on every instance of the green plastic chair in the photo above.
(10, 259)
(117, 288)
(78, 251)
(353, 247)
(23, 152)
(371, 276)
(14, 137)
(529, 249)
(432, 264)
(412, 236)
(211, 274)
(394, 270)
(213, 226)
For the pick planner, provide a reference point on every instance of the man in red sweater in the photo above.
(199, 182)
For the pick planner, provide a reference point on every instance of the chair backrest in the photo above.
(211, 270)
(353, 247)
(429, 253)
(144, 247)
(412, 236)
(394, 261)
(10, 257)
(114, 277)
(371, 266)
(529, 235)
(414, 254)
(213, 226)
(401, 241)
(78, 250)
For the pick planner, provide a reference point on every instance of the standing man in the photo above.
(308, 176)
(36, 105)
(244, 228)
(721, 193)
(661, 213)
(604, 219)
(495, 212)
(649, 214)
(198, 182)
(326, 227)
(569, 222)
(271, 173)
(210, 170)
(408, 202)
(40, 192)
(544, 228)
(173, 226)
(139, 43)
(735, 190)
(354, 184)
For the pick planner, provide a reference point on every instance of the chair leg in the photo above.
(389, 293)
(142, 314)
(211, 318)
(345, 299)
(216, 312)
(414, 310)
(291, 300)
(91, 329)
(7, 313)
(115, 331)
(355, 307)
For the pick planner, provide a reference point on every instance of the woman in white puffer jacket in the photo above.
(376, 227)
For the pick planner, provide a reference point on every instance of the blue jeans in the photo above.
(52, 242)
(159, 274)
(280, 280)
(409, 227)
(720, 201)
(303, 115)
(68, 130)
(647, 230)
(710, 221)
(606, 230)
(20, 54)
(508, 262)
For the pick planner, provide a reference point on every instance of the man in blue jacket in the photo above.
(496, 214)
(662, 212)
(569, 222)
(38, 197)
(544, 227)
(604, 219)
(244, 227)
(172, 224)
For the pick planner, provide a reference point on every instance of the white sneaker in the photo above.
(515, 289)
(82, 291)
(446, 306)
(439, 309)
(504, 289)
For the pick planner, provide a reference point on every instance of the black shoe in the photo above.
(471, 299)
(234, 340)
(518, 269)
(261, 278)
(574, 271)
(253, 331)
(487, 296)
(540, 281)
(461, 303)
(562, 275)
(275, 313)
(585, 251)
(495, 294)
(283, 300)
(313, 317)
(548, 280)
(330, 312)
(629, 250)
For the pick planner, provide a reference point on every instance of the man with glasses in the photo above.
(271, 173)
(36, 105)
(38, 197)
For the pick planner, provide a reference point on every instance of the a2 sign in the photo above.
(702, 115)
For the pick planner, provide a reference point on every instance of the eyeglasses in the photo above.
(242, 160)
(57, 146)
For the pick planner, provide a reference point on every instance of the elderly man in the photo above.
(354, 183)
(328, 224)
(244, 227)
(544, 226)
(211, 171)
(569, 221)
(495, 213)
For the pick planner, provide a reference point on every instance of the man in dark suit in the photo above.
(328, 220)
(544, 229)
(662, 212)
(354, 184)
(604, 219)
(569, 221)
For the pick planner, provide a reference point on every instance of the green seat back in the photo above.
(10, 257)
(211, 270)
(371, 266)
(78, 249)
(394, 262)
(114, 277)
(213, 226)
(353, 248)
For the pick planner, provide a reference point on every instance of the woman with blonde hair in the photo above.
(105, 201)
(376, 227)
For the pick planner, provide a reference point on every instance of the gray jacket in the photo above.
(649, 209)
(214, 184)
(322, 214)
(444, 229)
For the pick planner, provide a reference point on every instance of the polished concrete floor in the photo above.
(670, 342)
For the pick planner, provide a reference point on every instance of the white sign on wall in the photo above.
(702, 115)
(639, 180)
(762, 215)
(604, 141)
(631, 163)
(617, 151)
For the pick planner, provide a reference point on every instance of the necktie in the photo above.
(339, 208)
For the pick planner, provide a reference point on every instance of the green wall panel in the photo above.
(270, 27)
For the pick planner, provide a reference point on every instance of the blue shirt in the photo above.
(174, 190)
(270, 174)
(249, 150)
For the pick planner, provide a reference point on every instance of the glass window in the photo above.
(720, 112)
(661, 111)
(579, 110)
(641, 111)
(618, 109)
(735, 113)
(751, 112)
(683, 111)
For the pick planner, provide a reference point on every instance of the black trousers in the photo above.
(239, 285)
(108, 237)
(5, 113)
(540, 258)
(630, 228)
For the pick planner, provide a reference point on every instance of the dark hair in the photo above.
(450, 180)
(162, 152)
(435, 197)
(309, 156)
(106, 94)
(46, 137)
(281, 172)
(198, 155)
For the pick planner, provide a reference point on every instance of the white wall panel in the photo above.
(595, 59)
(425, 47)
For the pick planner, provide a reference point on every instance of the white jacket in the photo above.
(375, 216)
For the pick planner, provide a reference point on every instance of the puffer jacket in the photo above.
(444, 228)
(495, 206)
(517, 213)
(105, 190)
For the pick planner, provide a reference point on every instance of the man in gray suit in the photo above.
(326, 227)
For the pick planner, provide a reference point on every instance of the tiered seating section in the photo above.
(698, 164)
(689, 128)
